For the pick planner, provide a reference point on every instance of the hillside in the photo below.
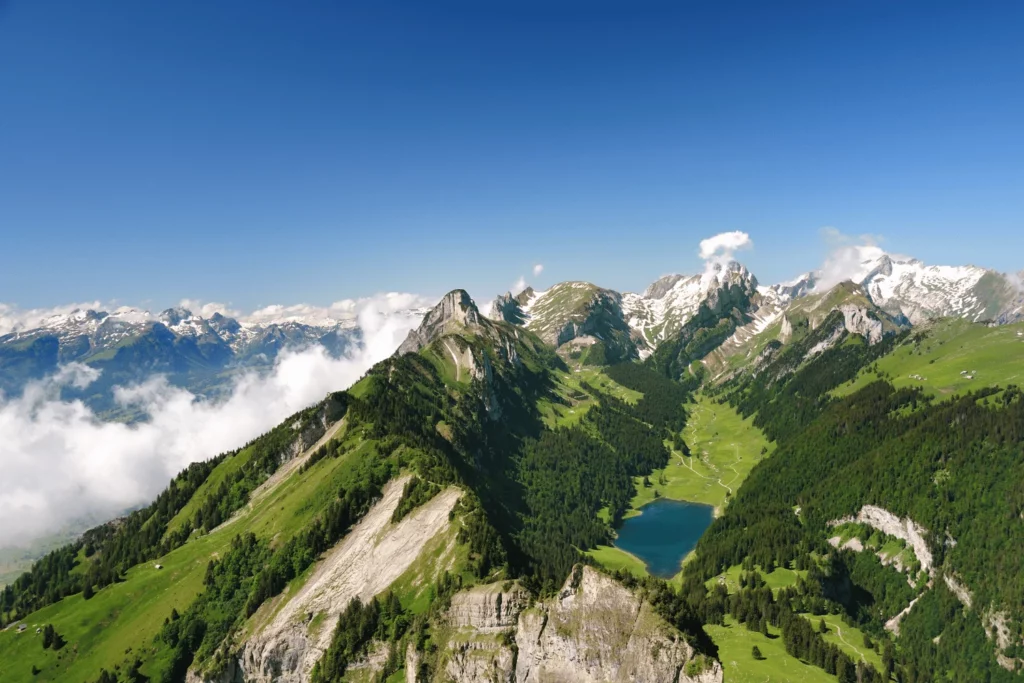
(431, 519)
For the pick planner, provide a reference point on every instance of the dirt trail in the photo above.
(839, 632)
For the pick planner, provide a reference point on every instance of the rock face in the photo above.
(370, 558)
(599, 631)
(906, 529)
(594, 631)
(508, 308)
(857, 321)
(456, 310)
(488, 608)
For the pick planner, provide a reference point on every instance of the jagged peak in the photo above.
(173, 316)
(455, 310)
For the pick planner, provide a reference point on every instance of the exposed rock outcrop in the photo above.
(906, 529)
(858, 321)
(509, 308)
(455, 311)
(595, 631)
(370, 558)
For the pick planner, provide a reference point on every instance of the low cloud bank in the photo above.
(60, 464)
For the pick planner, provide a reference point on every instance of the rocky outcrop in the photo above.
(906, 529)
(858, 321)
(488, 608)
(455, 311)
(369, 559)
(508, 308)
(596, 630)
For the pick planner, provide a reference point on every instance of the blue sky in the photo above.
(266, 152)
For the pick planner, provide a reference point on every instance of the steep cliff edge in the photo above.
(595, 630)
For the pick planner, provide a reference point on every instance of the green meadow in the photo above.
(954, 357)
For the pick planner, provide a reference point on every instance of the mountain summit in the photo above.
(455, 311)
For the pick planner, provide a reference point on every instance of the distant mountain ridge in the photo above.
(635, 325)
(587, 321)
(128, 345)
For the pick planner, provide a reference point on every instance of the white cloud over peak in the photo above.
(519, 285)
(205, 309)
(718, 250)
(848, 258)
(61, 464)
(538, 269)
(723, 245)
(15, 319)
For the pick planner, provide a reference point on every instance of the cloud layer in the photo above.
(61, 464)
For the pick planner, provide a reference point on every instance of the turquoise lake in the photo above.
(664, 534)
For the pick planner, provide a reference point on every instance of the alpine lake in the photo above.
(664, 533)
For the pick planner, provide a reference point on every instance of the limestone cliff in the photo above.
(455, 311)
(595, 631)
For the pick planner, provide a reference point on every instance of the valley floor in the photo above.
(724, 448)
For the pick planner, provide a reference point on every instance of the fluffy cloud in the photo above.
(723, 245)
(718, 250)
(519, 285)
(848, 258)
(346, 309)
(538, 269)
(208, 308)
(61, 464)
(14, 319)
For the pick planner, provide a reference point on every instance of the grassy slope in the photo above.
(724, 449)
(735, 644)
(119, 618)
(125, 617)
(849, 639)
(556, 414)
(952, 346)
(613, 558)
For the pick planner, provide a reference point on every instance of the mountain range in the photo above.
(129, 345)
(458, 514)
(204, 354)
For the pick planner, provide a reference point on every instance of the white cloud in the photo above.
(718, 250)
(60, 463)
(14, 319)
(346, 309)
(848, 258)
(208, 308)
(519, 285)
(724, 245)
(538, 269)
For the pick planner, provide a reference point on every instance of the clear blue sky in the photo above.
(274, 152)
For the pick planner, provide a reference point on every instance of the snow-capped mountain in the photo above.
(201, 354)
(672, 300)
(909, 288)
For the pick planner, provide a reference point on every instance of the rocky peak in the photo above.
(525, 295)
(173, 316)
(662, 286)
(455, 310)
(508, 308)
